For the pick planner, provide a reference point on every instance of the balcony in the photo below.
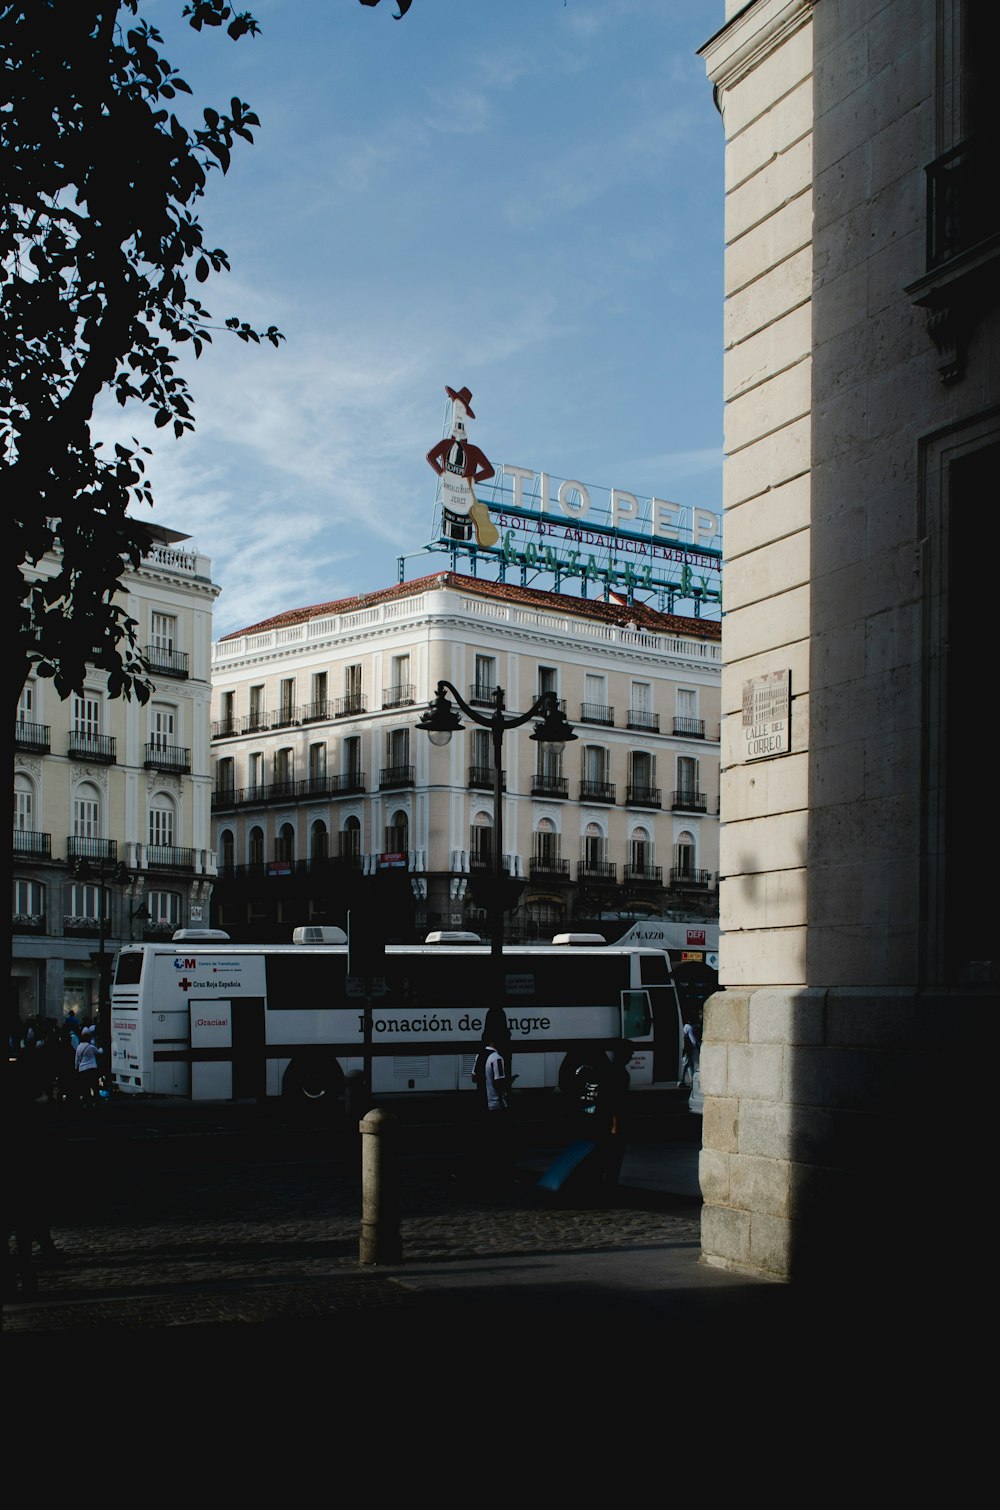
(313, 712)
(597, 870)
(597, 713)
(167, 758)
(36, 737)
(483, 860)
(166, 662)
(225, 728)
(286, 717)
(550, 867)
(597, 791)
(644, 875)
(642, 796)
(560, 702)
(169, 857)
(690, 728)
(402, 696)
(549, 786)
(395, 776)
(482, 778)
(689, 802)
(29, 843)
(223, 799)
(351, 705)
(29, 922)
(481, 694)
(638, 718)
(683, 879)
(257, 721)
(81, 928)
(78, 848)
(96, 747)
(962, 207)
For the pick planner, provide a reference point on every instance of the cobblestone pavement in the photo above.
(186, 1242)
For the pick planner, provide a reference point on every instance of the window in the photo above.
(596, 690)
(350, 839)
(481, 840)
(163, 631)
(255, 845)
(29, 899)
(482, 754)
(286, 700)
(284, 767)
(26, 704)
(225, 774)
(687, 776)
(319, 685)
(595, 848)
(548, 679)
(397, 748)
(640, 850)
(284, 844)
(397, 834)
(317, 762)
(86, 814)
(256, 708)
(87, 716)
(161, 823)
(595, 768)
(684, 854)
(486, 679)
(161, 727)
(319, 841)
(352, 683)
(87, 902)
(227, 708)
(23, 803)
(546, 844)
(164, 908)
(255, 771)
(352, 756)
(400, 690)
(227, 850)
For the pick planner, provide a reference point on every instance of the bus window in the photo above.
(637, 1018)
(653, 969)
(129, 968)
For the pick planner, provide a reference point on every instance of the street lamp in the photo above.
(441, 720)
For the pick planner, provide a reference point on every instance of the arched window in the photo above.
(284, 844)
(684, 856)
(87, 812)
(319, 841)
(481, 840)
(161, 822)
(640, 854)
(227, 851)
(595, 850)
(24, 804)
(255, 845)
(397, 835)
(545, 846)
(350, 840)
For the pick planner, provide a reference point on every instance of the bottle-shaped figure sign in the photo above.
(460, 465)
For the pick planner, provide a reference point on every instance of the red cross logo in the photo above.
(185, 984)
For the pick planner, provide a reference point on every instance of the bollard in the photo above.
(380, 1239)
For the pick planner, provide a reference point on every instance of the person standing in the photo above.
(88, 1076)
(690, 1060)
(497, 1082)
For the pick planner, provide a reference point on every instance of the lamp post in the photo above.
(103, 872)
(441, 720)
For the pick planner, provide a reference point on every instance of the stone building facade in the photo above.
(862, 381)
(323, 781)
(112, 809)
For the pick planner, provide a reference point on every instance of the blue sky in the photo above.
(520, 196)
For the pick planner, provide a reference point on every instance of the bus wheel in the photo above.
(314, 1083)
(569, 1072)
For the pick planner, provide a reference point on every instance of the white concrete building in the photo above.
(112, 799)
(862, 380)
(321, 774)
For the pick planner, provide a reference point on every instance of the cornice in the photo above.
(750, 37)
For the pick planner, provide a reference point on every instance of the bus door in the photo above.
(637, 1027)
(227, 1049)
(667, 1030)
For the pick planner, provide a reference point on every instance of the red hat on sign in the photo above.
(464, 396)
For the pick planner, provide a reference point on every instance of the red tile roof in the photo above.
(622, 614)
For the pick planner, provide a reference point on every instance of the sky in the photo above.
(521, 197)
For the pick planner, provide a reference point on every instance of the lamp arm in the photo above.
(498, 720)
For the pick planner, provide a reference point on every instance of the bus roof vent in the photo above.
(443, 936)
(200, 936)
(570, 940)
(315, 934)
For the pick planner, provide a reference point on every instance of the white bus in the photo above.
(208, 1019)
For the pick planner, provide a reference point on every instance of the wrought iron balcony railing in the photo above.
(689, 802)
(166, 662)
(597, 713)
(691, 728)
(167, 758)
(396, 775)
(37, 737)
(638, 718)
(597, 791)
(549, 786)
(98, 747)
(399, 697)
(482, 777)
(642, 796)
(30, 841)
